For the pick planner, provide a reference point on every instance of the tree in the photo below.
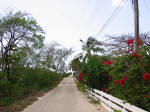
(61, 58)
(75, 64)
(18, 30)
(91, 46)
(117, 45)
(55, 57)
(49, 55)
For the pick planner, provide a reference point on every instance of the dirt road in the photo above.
(64, 98)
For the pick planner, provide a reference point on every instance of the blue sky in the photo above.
(68, 21)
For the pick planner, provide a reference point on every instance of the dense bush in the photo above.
(131, 76)
(25, 81)
(125, 75)
(94, 74)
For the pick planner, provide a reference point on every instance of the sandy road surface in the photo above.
(64, 98)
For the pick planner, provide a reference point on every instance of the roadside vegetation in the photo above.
(28, 67)
(81, 87)
(24, 88)
(121, 69)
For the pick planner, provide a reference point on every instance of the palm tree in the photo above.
(91, 46)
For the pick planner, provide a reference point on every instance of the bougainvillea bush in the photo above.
(93, 73)
(131, 74)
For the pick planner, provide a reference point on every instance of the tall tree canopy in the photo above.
(92, 46)
(18, 30)
(55, 57)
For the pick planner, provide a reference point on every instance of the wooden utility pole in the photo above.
(136, 21)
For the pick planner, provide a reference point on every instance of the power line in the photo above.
(116, 11)
(110, 18)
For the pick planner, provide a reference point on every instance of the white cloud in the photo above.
(116, 3)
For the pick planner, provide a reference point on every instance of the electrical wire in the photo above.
(116, 11)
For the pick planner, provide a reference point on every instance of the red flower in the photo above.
(128, 51)
(126, 76)
(145, 72)
(139, 56)
(110, 78)
(108, 62)
(80, 77)
(146, 76)
(122, 81)
(115, 81)
(143, 64)
(139, 42)
(102, 89)
(134, 54)
(147, 96)
(129, 42)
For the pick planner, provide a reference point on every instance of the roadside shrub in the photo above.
(26, 81)
(95, 76)
(131, 76)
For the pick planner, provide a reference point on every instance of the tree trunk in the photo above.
(5, 65)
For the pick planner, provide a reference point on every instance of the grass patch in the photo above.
(81, 87)
(117, 111)
(94, 101)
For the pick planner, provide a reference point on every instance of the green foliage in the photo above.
(26, 81)
(91, 64)
(135, 88)
(25, 62)
(117, 110)
(95, 77)
(92, 45)
(17, 30)
(128, 66)
(81, 88)
(94, 101)
(55, 57)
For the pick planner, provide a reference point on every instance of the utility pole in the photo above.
(136, 21)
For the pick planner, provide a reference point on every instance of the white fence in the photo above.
(112, 103)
